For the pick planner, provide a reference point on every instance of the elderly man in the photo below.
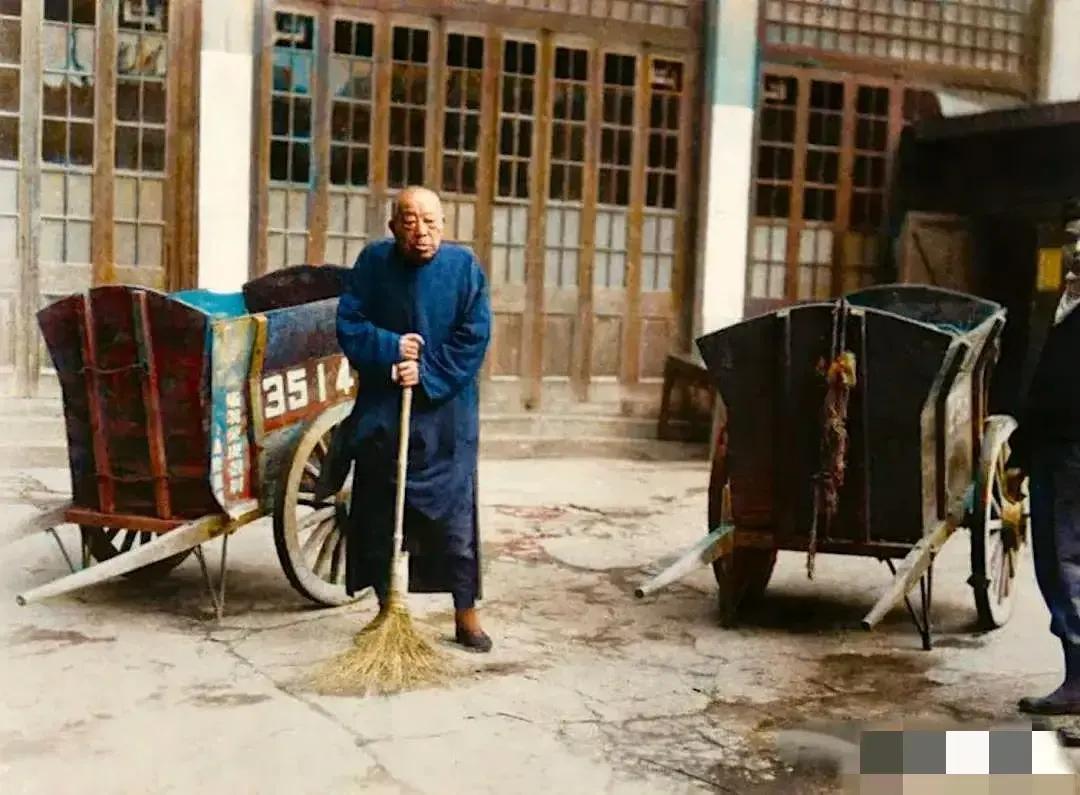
(415, 313)
(1047, 448)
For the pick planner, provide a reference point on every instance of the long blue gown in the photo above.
(445, 301)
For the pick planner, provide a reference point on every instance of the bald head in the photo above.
(417, 223)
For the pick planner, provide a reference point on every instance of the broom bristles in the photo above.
(388, 656)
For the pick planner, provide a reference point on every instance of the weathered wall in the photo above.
(225, 121)
(1061, 52)
(731, 61)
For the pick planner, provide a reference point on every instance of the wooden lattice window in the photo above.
(291, 138)
(615, 164)
(662, 13)
(825, 144)
(869, 185)
(661, 175)
(517, 121)
(352, 95)
(461, 133)
(408, 106)
(10, 63)
(563, 221)
(992, 36)
(141, 64)
(67, 130)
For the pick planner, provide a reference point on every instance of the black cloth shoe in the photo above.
(1066, 699)
(473, 641)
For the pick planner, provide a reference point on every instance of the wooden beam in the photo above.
(631, 351)
(844, 184)
(798, 178)
(181, 195)
(915, 72)
(539, 176)
(436, 102)
(319, 198)
(380, 134)
(103, 255)
(260, 128)
(581, 355)
(682, 270)
(515, 17)
(487, 164)
(26, 334)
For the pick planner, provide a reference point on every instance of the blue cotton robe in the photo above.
(445, 301)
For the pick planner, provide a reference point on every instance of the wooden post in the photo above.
(380, 134)
(631, 351)
(182, 194)
(487, 164)
(319, 197)
(798, 178)
(681, 271)
(260, 129)
(436, 102)
(26, 336)
(581, 361)
(103, 256)
(844, 184)
(534, 257)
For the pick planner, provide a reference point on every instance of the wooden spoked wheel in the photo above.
(742, 573)
(104, 543)
(310, 534)
(998, 535)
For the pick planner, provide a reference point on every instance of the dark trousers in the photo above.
(440, 554)
(1055, 533)
(462, 581)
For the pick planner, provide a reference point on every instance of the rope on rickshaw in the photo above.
(840, 379)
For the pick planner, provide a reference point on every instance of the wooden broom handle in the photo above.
(402, 467)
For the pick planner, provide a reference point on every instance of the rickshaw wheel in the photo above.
(998, 535)
(104, 543)
(310, 535)
(742, 573)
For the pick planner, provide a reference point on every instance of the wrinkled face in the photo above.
(417, 224)
(1071, 257)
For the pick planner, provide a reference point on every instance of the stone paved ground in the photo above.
(134, 689)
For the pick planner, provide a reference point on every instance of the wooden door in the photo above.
(562, 154)
(937, 250)
(105, 158)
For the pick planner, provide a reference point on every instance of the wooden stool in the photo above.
(684, 372)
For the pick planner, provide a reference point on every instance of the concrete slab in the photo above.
(135, 689)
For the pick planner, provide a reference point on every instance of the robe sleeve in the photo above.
(445, 370)
(373, 351)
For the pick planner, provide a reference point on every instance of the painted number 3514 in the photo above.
(296, 389)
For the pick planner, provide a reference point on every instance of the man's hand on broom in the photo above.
(407, 373)
(410, 346)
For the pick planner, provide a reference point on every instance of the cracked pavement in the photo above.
(134, 688)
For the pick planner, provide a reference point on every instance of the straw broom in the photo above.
(389, 654)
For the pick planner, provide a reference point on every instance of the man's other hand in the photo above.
(410, 346)
(408, 373)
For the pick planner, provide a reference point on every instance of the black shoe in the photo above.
(1066, 699)
(1063, 701)
(473, 641)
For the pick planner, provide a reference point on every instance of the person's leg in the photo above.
(1055, 519)
(468, 631)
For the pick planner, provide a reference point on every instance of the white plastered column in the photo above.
(1061, 59)
(728, 141)
(225, 125)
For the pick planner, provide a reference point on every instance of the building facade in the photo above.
(631, 172)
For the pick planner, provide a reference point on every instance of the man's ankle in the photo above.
(466, 618)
